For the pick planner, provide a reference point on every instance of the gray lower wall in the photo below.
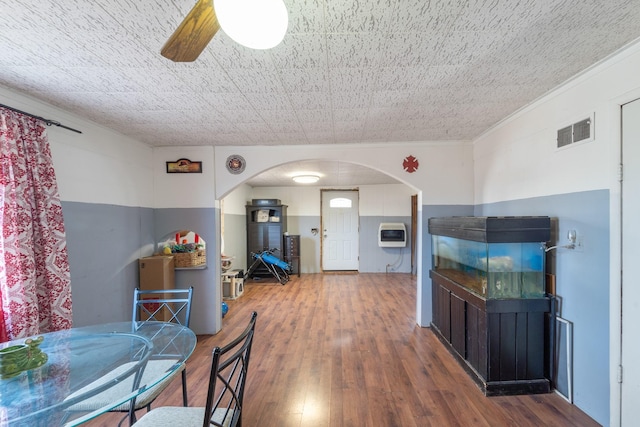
(309, 242)
(582, 280)
(104, 243)
(582, 284)
(207, 298)
(373, 258)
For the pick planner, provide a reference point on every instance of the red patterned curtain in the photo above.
(35, 289)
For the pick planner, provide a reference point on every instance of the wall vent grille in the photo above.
(565, 136)
(581, 131)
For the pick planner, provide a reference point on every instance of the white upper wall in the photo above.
(301, 200)
(445, 173)
(385, 200)
(518, 158)
(235, 202)
(183, 190)
(97, 166)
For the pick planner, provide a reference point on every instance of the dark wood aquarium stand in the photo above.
(501, 341)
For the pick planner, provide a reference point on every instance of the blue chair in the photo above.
(165, 305)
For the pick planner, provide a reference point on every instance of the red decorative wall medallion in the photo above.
(410, 164)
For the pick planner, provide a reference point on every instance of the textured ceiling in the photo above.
(346, 72)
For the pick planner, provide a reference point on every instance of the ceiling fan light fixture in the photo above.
(256, 24)
(306, 179)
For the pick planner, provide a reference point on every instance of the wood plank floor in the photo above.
(344, 350)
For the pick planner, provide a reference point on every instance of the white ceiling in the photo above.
(347, 71)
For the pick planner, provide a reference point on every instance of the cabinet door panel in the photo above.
(473, 356)
(507, 347)
(274, 238)
(444, 299)
(535, 350)
(458, 325)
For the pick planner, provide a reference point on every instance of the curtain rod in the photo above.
(48, 122)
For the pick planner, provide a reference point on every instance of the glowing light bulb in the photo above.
(256, 24)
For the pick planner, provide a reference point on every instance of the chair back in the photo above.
(229, 367)
(163, 305)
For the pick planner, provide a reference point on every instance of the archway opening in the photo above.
(385, 198)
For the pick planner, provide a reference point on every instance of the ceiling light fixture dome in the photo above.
(306, 179)
(256, 24)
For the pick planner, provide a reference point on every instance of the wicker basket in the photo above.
(190, 259)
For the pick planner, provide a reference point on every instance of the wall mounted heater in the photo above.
(392, 235)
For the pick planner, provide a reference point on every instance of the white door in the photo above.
(340, 234)
(630, 392)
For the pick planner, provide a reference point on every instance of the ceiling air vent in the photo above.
(581, 131)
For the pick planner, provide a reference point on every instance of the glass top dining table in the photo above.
(83, 362)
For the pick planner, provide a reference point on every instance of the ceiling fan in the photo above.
(258, 24)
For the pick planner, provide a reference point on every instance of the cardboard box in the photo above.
(157, 272)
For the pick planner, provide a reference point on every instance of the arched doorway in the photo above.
(383, 194)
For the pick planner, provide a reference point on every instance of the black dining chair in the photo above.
(164, 305)
(223, 408)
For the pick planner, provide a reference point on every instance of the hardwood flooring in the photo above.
(344, 350)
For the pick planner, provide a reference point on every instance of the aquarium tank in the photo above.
(494, 257)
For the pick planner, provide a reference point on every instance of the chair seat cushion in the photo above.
(153, 369)
(172, 416)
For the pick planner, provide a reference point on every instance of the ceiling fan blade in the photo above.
(193, 35)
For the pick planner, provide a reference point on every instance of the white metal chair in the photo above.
(166, 305)
(229, 367)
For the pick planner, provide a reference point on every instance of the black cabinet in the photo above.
(266, 225)
(501, 343)
(292, 252)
